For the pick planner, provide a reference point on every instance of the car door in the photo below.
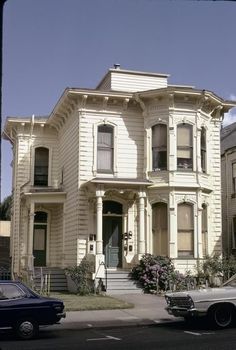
(10, 299)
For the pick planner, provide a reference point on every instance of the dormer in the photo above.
(118, 79)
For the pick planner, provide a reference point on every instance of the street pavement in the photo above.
(148, 310)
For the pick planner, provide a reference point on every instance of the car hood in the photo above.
(206, 293)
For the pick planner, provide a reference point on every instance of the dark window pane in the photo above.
(41, 167)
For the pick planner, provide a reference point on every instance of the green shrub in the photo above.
(81, 276)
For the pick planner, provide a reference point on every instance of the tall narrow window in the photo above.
(185, 230)
(184, 147)
(105, 149)
(234, 176)
(204, 230)
(41, 166)
(234, 232)
(159, 229)
(159, 147)
(203, 150)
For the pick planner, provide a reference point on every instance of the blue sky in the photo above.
(49, 45)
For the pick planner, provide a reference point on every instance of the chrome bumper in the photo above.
(183, 312)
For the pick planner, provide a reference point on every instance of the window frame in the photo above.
(234, 232)
(109, 148)
(47, 183)
(159, 149)
(186, 254)
(203, 150)
(204, 230)
(234, 177)
(185, 148)
(159, 227)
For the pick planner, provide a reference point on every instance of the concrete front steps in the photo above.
(119, 282)
(55, 276)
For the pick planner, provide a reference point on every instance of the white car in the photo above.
(218, 304)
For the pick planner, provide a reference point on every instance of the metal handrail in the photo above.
(105, 267)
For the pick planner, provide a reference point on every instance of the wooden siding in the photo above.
(118, 80)
(68, 160)
(129, 144)
(131, 82)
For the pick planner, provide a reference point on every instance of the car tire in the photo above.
(26, 328)
(221, 316)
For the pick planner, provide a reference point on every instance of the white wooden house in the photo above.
(128, 168)
(228, 166)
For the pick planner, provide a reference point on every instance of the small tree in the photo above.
(5, 209)
(81, 276)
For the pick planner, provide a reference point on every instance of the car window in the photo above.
(10, 291)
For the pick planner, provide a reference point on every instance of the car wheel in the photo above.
(26, 328)
(221, 316)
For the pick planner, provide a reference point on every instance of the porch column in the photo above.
(31, 237)
(99, 195)
(141, 245)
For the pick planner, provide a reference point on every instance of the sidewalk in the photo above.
(148, 309)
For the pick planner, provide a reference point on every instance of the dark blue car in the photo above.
(24, 310)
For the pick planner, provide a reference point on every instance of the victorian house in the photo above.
(128, 168)
(228, 166)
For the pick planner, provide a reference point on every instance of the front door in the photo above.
(112, 240)
(39, 250)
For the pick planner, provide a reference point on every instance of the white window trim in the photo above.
(115, 148)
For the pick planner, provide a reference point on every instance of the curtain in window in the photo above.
(203, 150)
(105, 148)
(185, 230)
(204, 230)
(184, 146)
(159, 229)
(234, 232)
(159, 146)
(234, 177)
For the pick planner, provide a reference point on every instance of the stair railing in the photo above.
(100, 283)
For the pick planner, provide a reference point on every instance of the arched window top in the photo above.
(112, 207)
(105, 128)
(40, 217)
(159, 204)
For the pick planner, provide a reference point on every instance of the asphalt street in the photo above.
(172, 336)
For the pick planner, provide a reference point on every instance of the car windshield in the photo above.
(231, 282)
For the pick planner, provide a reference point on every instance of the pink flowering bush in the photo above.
(155, 273)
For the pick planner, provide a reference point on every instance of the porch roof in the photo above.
(46, 197)
(122, 181)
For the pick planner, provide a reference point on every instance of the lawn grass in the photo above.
(74, 302)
